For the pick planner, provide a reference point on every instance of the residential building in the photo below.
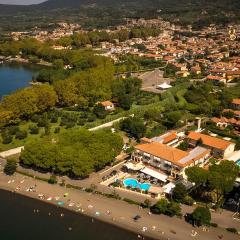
(169, 161)
(236, 103)
(109, 106)
(219, 147)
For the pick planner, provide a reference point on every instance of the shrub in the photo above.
(130, 201)
(57, 130)
(6, 138)
(12, 130)
(81, 122)
(42, 122)
(54, 119)
(163, 206)
(34, 130)
(201, 216)
(35, 118)
(188, 200)
(215, 225)
(70, 125)
(21, 134)
(146, 204)
(52, 179)
(179, 192)
(10, 167)
(232, 230)
(91, 117)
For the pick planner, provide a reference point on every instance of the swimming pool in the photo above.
(238, 162)
(133, 183)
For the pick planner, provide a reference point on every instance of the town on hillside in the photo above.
(145, 114)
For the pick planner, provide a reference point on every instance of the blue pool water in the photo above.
(238, 162)
(133, 183)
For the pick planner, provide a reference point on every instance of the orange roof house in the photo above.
(171, 154)
(209, 140)
(236, 101)
(219, 147)
(109, 106)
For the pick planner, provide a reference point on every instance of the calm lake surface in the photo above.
(14, 76)
(18, 221)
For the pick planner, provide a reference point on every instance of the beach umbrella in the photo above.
(60, 203)
(97, 213)
(65, 194)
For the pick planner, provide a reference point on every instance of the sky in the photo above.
(20, 2)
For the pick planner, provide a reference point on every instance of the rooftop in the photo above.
(209, 140)
(236, 101)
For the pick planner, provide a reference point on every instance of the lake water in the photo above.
(19, 222)
(14, 76)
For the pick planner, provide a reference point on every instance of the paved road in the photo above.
(106, 125)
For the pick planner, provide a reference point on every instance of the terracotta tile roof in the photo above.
(210, 77)
(209, 140)
(107, 103)
(162, 151)
(170, 137)
(233, 72)
(173, 155)
(226, 120)
(236, 101)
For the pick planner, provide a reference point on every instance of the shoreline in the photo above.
(103, 220)
(86, 213)
(157, 226)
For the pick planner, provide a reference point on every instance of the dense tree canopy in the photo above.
(201, 216)
(219, 178)
(75, 153)
(27, 101)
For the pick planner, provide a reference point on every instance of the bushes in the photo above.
(163, 206)
(12, 130)
(188, 200)
(21, 134)
(232, 230)
(130, 201)
(34, 130)
(10, 167)
(179, 192)
(52, 179)
(201, 216)
(215, 225)
(57, 130)
(6, 138)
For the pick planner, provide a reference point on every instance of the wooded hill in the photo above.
(102, 13)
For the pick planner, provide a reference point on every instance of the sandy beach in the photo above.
(110, 210)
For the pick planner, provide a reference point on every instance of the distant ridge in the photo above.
(201, 12)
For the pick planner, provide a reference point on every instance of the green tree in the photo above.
(201, 216)
(21, 134)
(134, 127)
(183, 146)
(160, 207)
(179, 192)
(100, 111)
(10, 167)
(197, 175)
(222, 177)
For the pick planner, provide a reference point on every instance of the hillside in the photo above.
(101, 13)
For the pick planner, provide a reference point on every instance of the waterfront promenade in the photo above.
(113, 211)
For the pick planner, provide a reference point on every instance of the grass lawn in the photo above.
(31, 137)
